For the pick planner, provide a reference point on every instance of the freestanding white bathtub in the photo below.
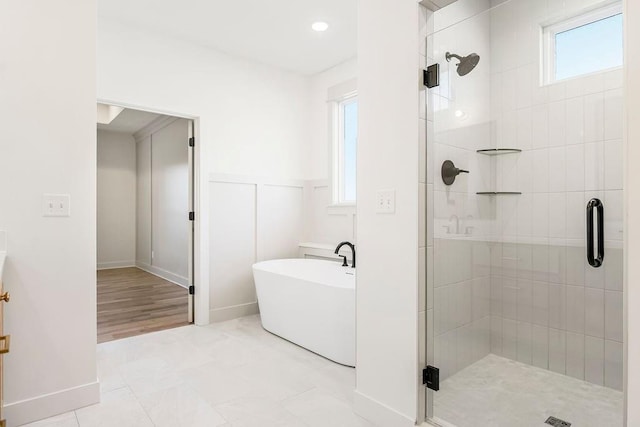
(311, 303)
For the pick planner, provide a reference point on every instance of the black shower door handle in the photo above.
(593, 261)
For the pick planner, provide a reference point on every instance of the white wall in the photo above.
(143, 201)
(116, 200)
(387, 297)
(632, 211)
(324, 223)
(252, 119)
(319, 110)
(48, 134)
(225, 92)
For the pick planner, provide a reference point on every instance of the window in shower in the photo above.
(584, 44)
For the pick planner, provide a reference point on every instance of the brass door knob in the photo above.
(5, 297)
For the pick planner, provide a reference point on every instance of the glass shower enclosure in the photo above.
(525, 297)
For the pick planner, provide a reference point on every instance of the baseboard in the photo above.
(166, 275)
(115, 264)
(233, 312)
(49, 405)
(378, 413)
(436, 422)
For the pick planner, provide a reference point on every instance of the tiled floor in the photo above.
(231, 374)
(498, 392)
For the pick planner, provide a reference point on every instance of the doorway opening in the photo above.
(145, 222)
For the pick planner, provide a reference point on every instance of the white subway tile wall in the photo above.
(509, 273)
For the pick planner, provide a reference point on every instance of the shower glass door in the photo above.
(525, 306)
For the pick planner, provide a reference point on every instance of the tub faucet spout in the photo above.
(353, 252)
(457, 220)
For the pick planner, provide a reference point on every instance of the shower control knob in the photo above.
(449, 172)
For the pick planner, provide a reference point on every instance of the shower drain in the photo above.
(557, 422)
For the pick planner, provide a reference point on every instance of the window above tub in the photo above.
(343, 101)
(583, 44)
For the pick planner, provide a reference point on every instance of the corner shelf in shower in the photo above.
(498, 193)
(498, 151)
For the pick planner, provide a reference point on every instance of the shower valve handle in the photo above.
(449, 172)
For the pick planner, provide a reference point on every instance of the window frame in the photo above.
(339, 96)
(549, 33)
(339, 165)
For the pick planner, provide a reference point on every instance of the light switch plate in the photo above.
(56, 205)
(386, 202)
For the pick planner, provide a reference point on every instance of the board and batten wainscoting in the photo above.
(256, 219)
(251, 219)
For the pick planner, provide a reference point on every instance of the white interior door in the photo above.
(172, 200)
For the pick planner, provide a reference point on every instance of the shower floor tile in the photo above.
(499, 392)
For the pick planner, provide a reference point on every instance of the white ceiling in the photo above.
(130, 121)
(274, 32)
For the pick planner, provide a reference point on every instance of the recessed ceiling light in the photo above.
(320, 26)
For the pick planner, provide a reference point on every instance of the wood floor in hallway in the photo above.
(133, 302)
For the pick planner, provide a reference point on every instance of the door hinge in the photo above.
(431, 377)
(192, 142)
(431, 76)
(192, 290)
(192, 216)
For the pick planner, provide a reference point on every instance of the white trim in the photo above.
(437, 422)
(147, 109)
(201, 230)
(435, 5)
(201, 204)
(153, 127)
(337, 96)
(549, 31)
(345, 209)
(322, 251)
(255, 180)
(48, 405)
(631, 290)
(116, 264)
(343, 90)
(164, 274)
(233, 312)
(342, 209)
(379, 413)
(337, 159)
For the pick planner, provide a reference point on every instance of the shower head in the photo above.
(466, 64)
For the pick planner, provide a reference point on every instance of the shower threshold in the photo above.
(501, 392)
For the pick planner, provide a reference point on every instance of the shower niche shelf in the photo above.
(498, 193)
(498, 151)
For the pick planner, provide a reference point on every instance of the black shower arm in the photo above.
(449, 55)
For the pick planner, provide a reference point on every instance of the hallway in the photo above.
(133, 302)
